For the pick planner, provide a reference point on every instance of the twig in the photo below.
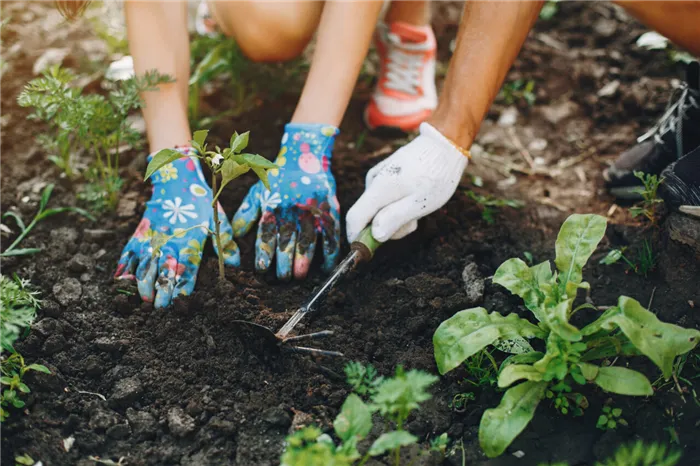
(678, 385)
(651, 298)
(519, 145)
(388, 149)
(82, 392)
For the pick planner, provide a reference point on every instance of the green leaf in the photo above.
(262, 174)
(230, 170)
(239, 141)
(577, 240)
(518, 278)
(618, 380)
(255, 160)
(354, 420)
(500, 425)
(391, 440)
(659, 341)
(514, 372)
(557, 318)
(20, 252)
(18, 219)
(60, 210)
(161, 159)
(45, 195)
(38, 368)
(612, 257)
(200, 136)
(468, 332)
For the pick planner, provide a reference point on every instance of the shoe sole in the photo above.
(692, 210)
(383, 130)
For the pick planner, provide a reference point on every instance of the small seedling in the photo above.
(13, 371)
(226, 165)
(24, 460)
(460, 401)
(41, 214)
(482, 369)
(566, 402)
(439, 443)
(643, 263)
(96, 123)
(363, 379)
(609, 418)
(19, 305)
(489, 204)
(627, 329)
(650, 199)
(394, 399)
(528, 257)
(519, 89)
(549, 10)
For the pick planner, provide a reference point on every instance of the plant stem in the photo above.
(217, 235)
(21, 236)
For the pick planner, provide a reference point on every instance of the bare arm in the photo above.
(343, 40)
(490, 37)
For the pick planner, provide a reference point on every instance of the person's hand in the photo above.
(165, 252)
(300, 204)
(413, 182)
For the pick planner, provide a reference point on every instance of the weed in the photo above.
(482, 369)
(13, 371)
(528, 257)
(41, 214)
(394, 399)
(549, 9)
(460, 401)
(650, 200)
(626, 329)
(643, 262)
(226, 165)
(489, 204)
(517, 90)
(93, 122)
(363, 378)
(609, 418)
(565, 401)
(640, 454)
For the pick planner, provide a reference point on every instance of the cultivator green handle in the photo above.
(365, 244)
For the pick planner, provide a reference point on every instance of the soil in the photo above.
(178, 386)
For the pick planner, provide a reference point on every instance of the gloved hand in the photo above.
(181, 200)
(413, 182)
(300, 204)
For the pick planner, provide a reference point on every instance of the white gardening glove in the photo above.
(413, 182)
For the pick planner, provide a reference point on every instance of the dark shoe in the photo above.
(676, 133)
(680, 188)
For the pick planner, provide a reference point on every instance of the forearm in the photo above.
(342, 42)
(489, 38)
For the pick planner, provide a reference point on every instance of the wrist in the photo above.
(460, 130)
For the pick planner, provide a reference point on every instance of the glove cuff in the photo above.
(316, 138)
(426, 129)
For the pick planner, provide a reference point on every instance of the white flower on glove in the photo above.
(413, 182)
(270, 200)
(177, 212)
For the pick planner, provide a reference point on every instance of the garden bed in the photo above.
(177, 386)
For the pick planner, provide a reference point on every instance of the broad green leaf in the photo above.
(200, 136)
(557, 318)
(578, 238)
(255, 160)
(525, 358)
(659, 341)
(354, 420)
(20, 252)
(517, 345)
(618, 380)
(45, 195)
(500, 425)
(262, 174)
(514, 372)
(239, 141)
(391, 440)
(468, 332)
(609, 346)
(518, 278)
(161, 159)
(38, 368)
(18, 219)
(230, 170)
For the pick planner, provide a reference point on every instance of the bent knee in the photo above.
(271, 32)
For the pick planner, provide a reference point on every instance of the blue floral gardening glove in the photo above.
(300, 205)
(172, 228)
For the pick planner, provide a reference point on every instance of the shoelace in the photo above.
(404, 69)
(672, 119)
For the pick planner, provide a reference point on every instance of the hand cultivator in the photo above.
(362, 250)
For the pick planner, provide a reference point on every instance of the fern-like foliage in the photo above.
(18, 306)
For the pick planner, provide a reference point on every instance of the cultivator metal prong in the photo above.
(309, 336)
(312, 351)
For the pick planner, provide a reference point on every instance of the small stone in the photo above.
(277, 416)
(537, 145)
(508, 117)
(393, 282)
(111, 345)
(65, 239)
(558, 112)
(222, 425)
(126, 391)
(120, 431)
(97, 235)
(142, 423)
(102, 419)
(609, 89)
(67, 291)
(605, 27)
(50, 58)
(54, 344)
(473, 283)
(80, 263)
(179, 423)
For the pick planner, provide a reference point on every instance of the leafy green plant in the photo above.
(650, 199)
(41, 214)
(460, 401)
(565, 401)
(226, 165)
(24, 460)
(363, 379)
(93, 122)
(625, 329)
(394, 399)
(482, 369)
(637, 454)
(609, 418)
(643, 263)
(489, 204)
(519, 89)
(549, 10)
(18, 306)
